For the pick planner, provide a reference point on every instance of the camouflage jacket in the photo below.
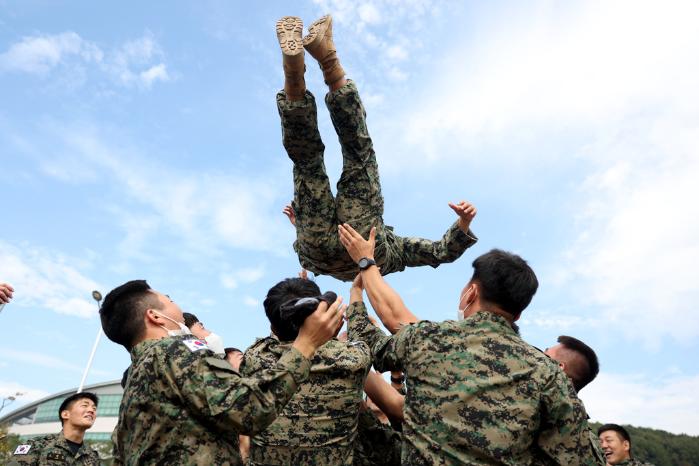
(633, 462)
(52, 450)
(183, 405)
(393, 253)
(377, 444)
(478, 394)
(319, 424)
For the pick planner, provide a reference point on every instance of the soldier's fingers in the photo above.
(351, 231)
(372, 234)
(322, 308)
(335, 306)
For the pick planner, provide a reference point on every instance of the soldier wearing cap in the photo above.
(319, 424)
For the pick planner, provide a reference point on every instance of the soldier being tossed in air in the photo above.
(314, 211)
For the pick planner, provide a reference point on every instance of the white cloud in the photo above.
(41, 53)
(154, 73)
(251, 302)
(46, 280)
(667, 403)
(208, 210)
(382, 30)
(529, 79)
(247, 275)
(621, 77)
(138, 62)
(27, 394)
(133, 63)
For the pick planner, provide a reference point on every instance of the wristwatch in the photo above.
(364, 263)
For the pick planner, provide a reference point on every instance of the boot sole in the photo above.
(289, 32)
(316, 31)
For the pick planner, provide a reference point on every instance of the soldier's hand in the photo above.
(357, 247)
(5, 293)
(290, 213)
(303, 274)
(320, 327)
(466, 212)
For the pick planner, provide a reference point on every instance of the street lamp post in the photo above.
(9, 400)
(97, 296)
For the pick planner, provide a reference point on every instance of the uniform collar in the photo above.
(63, 443)
(491, 317)
(141, 348)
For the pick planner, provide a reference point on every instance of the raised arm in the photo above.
(564, 433)
(458, 238)
(386, 302)
(247, 405)
(384, 396)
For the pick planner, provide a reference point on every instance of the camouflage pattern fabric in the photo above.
(182, 405)
(319, 424)
(358, 202)
(52, 450)
(595, 446)
(633, 462)
(478, 394)
(377, 443)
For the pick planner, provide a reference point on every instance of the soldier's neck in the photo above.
(72, 433)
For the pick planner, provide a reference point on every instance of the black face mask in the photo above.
(296, 310)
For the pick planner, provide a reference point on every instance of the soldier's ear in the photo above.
(65, 414)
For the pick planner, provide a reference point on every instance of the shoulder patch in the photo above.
(22, 449)
(195, 345)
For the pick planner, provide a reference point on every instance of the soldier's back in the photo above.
(476, 392)
(318, 426)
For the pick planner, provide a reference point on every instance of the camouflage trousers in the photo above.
(358, 201)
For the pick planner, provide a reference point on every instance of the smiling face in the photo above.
(81, 413)
(615, 448)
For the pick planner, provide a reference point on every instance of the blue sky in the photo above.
(142, 141)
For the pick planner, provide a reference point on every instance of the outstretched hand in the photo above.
(466, 212)
(357, 247)
(5, 293)
(290, 213)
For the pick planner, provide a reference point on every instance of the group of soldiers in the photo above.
(463, 392)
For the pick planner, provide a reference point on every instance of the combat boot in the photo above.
(319, 43)
(289, 33)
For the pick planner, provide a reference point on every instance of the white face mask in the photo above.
(215, 342)
(184, 330)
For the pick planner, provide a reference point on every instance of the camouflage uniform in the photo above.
(478, 394)
(319, 424)
(182, 405)
(633, 462)
(53, 450)
(377, 444)
(595, 446)
(358, 202)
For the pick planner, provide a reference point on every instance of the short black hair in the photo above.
(623, 433)
(585, 373)
(123, 309)
(231, 349)
(279, 294)
(68, 402)
(189, 319)
(506, 280)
